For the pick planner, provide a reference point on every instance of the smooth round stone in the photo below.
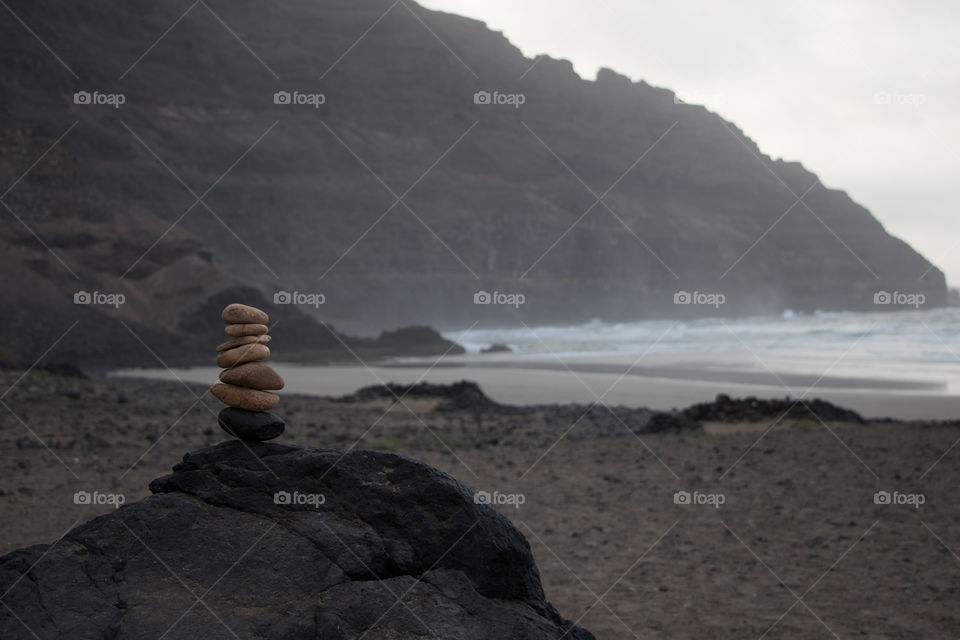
(236, 342)
(242, 314)
(250, 425)
(244, 353)
(249, 399)
(238, 330)
(253, 375)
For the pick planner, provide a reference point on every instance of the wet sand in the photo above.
(583, 380)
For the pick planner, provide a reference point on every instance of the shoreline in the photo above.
(663, 387)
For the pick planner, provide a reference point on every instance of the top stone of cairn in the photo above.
(242, 314)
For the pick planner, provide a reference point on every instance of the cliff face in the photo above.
(395, 195)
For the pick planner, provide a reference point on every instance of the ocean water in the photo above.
(922, 346)
(899, 364)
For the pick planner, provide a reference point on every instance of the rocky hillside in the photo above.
(347, 148)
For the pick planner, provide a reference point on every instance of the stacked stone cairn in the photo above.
(246, 381)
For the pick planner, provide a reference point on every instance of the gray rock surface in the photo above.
(282, 542)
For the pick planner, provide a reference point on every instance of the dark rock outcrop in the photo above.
(457, 396)
(727, 409)
(411, 341)
(663, 421)
(593, 420)
(281, 542)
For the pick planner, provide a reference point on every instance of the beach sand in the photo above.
(615, 550)
(660, 383)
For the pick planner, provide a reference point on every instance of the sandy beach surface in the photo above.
(657, 383)
(776, 531)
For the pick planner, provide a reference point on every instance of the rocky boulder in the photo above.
(281, 542)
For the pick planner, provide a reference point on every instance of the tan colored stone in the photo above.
(253, 375)
(236, 342)
(241, 398)
(242, 314)
(238, 330)
(243, 353)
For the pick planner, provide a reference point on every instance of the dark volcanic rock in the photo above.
(725, 409)
(63, 369)
(458, 396)
(671, 421)
(412, 341)
(280, 542)
(256, 426)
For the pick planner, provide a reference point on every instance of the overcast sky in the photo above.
(800, 78)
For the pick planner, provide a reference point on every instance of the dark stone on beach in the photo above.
(457, 396)
(231, 523)
(596, 420)
(63, 369)
(727, 409)
(250, 425)
(468, 396)
(663, 421)
(497, 347)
